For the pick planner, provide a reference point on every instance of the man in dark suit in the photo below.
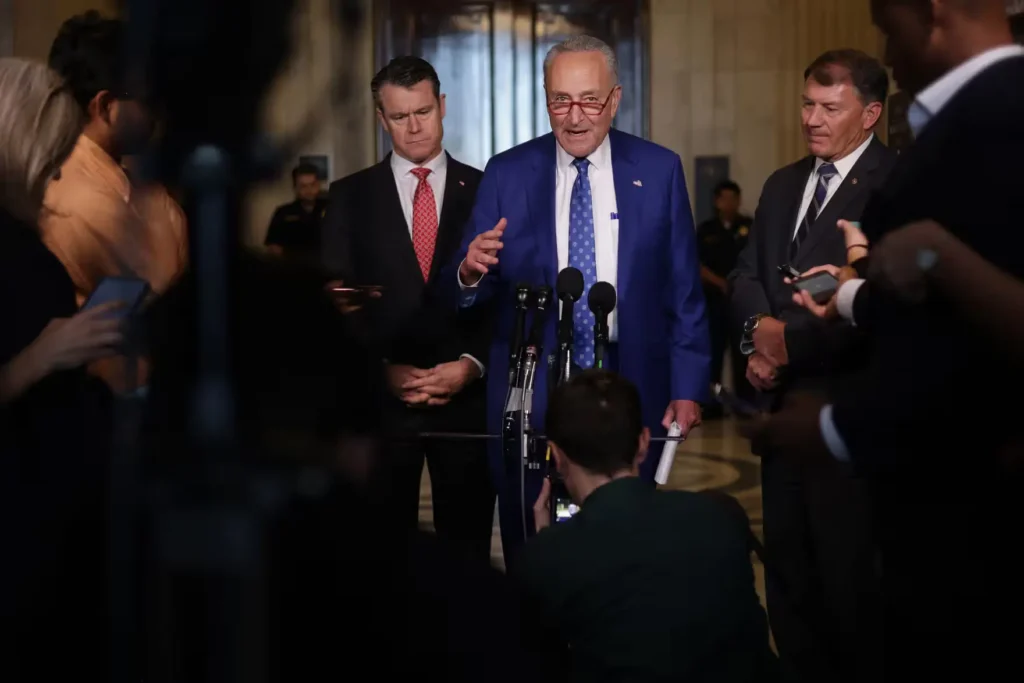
(641, 585)
(393, 225)
(822, 590)
(939, 480)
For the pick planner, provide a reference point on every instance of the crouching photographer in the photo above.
(640, 584)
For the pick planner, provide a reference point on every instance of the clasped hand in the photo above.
(431, 386)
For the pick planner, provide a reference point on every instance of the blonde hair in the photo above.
(41, 123)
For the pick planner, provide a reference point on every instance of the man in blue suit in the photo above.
(613, 206)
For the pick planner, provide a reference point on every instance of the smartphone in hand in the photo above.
(130, 292)
(821, 286)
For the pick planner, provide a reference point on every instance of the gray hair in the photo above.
(584, 44)
(41, 124)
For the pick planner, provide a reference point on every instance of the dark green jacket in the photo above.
(647, 585)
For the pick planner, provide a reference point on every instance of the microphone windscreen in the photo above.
(569, 284)
(601, 298)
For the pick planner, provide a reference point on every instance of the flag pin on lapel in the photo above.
(462, 183)
(638, 183)
(853, 182)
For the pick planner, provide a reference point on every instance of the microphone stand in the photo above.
(565, 341)
(513, 428)
(600, 338)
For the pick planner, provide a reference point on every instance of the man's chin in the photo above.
(578, 146)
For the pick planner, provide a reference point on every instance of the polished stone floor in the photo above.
(714, 457)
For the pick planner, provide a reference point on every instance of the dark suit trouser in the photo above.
(725, 340)
(461, 488)
(821, 573)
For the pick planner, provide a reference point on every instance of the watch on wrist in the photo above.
(747, 342)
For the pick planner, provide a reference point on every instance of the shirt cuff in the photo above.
(845, 297)
(836, 445)
(478, 364)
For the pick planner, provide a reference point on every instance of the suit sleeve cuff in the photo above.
(468, 292)
(845, 297)
(478, 364)
(830, 434)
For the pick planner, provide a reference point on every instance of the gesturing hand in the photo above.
(482, 254)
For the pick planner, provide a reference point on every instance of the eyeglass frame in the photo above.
(577, 103)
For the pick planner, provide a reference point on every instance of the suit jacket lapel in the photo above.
(391, 225)
(449, 229)
(540, 200)
(854, 183)
(799, 184)
(629, 197)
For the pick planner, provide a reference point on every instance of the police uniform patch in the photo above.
(744, 231)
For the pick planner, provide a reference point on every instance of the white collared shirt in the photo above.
(605, 208)
(843, 168)
(407, 183)
(932, 99)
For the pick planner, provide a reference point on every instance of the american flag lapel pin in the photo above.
(638, 183)
(853, 181)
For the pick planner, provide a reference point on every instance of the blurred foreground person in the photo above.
(641, 585)
(348, 587)
(54, 418)
(97, 221)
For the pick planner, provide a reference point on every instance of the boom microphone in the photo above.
(602, 302)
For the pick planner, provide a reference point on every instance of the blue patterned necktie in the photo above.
(581, 257)
(825, 173)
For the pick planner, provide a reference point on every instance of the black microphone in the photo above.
(532, 353)
(569, 287)
(602, 302)
(516, 347)
(542, 299)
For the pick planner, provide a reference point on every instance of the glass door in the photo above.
(489, 57)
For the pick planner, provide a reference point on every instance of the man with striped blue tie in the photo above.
(613, 206)
(823, 588)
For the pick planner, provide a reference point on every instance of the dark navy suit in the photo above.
(662, 343)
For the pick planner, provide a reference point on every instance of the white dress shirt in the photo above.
(605, 208)
(843, 168)
(407, 182)
(923, 109)
(606, 219)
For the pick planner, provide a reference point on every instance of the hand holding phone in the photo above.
(821, 286)
(128, 292)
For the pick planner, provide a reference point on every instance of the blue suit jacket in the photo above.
(663, 344)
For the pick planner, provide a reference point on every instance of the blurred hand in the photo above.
(770, 341)
(793, 433)
(346, 299)
(542, 507)
(482, 254)
(761, 372)
(685, 413)
(438, 385)
(856, 242)
(900, 261)
(63, 344)
(71, 342)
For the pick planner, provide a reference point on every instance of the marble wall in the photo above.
(726, 76)
(725, 79)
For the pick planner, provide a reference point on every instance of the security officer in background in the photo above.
(295, 228)
(719, 242)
